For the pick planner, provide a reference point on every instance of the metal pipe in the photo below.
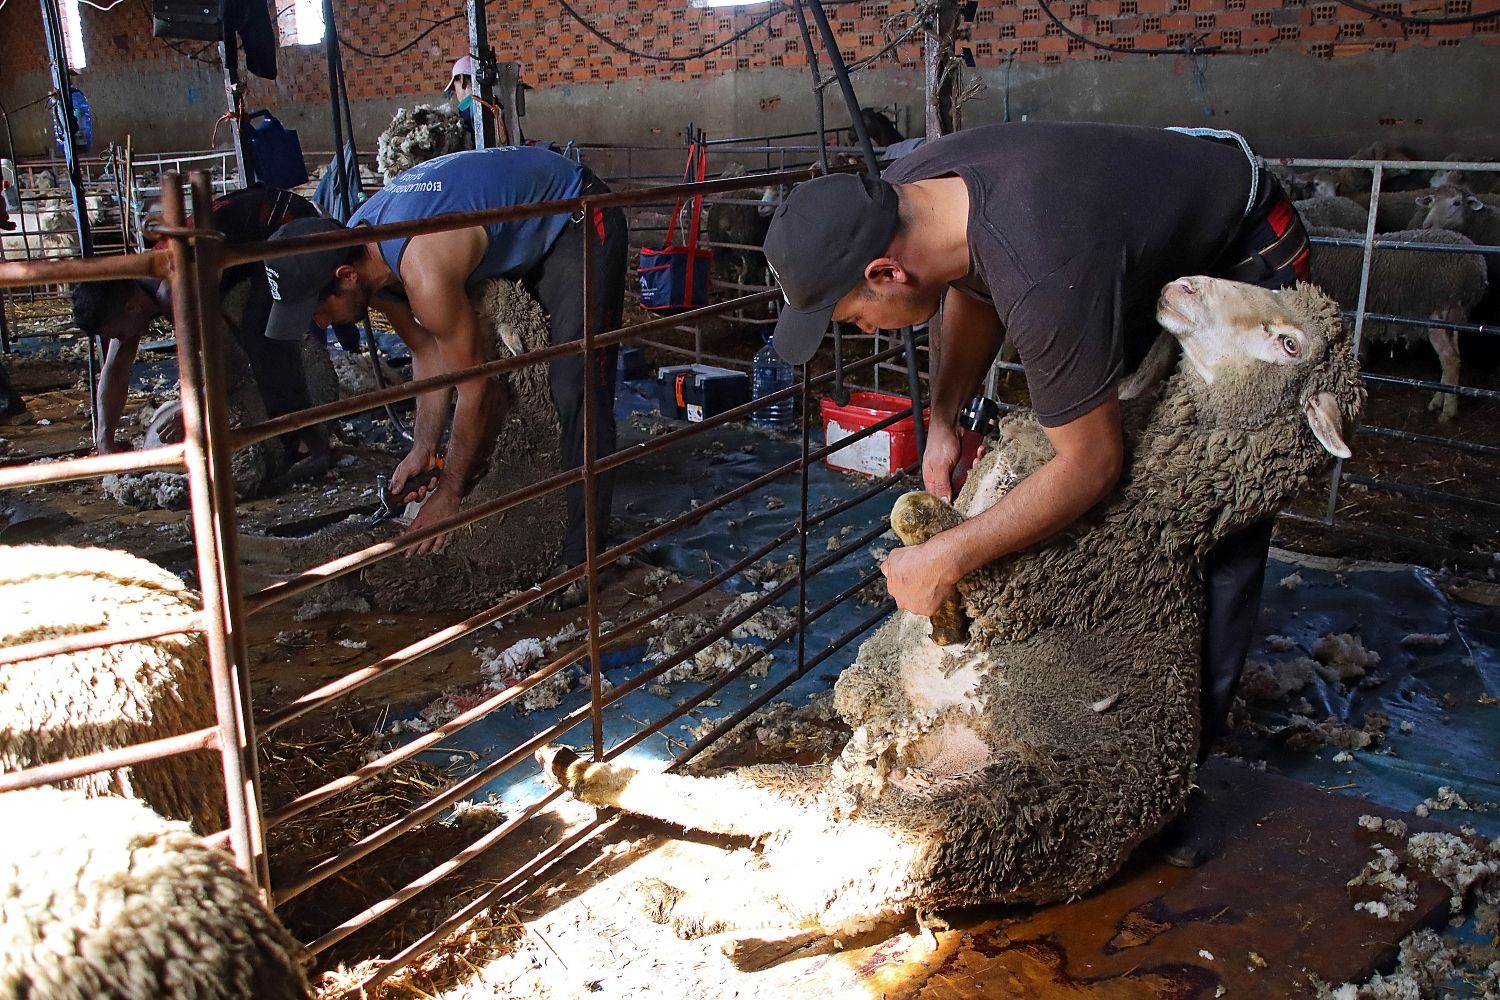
(108, 760)
(725, 725)
(1467, 447)
(335, 568)
(591, 361)
(80, 641)
(1367, 261)
(1467, 391)
(352, 681)
(1424, 493)
(72, 270)
(841, 73)
(194, 305)
(169, 456)
(247, 252)
(430, 878)
(1344, 241)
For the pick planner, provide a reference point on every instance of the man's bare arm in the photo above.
(970, 339)
(1090, 456)
(435, 271)
(114, 387)
(432, 407)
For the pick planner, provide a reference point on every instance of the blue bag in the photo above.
(276, 152)
(675, 278)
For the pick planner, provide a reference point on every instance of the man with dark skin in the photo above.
(1058, 236)
(422, 285)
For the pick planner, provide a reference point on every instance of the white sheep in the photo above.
(1412, 283)
(1025, 764)
(105, 900)
(64, 706)
(1477, 216)
(1478, 181)
(1332, 212)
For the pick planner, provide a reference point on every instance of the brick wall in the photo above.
(554, 49)
(147, 76)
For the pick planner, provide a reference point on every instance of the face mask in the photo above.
(465, 104)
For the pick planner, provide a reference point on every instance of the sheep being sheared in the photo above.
(101, 898)
(56, 707)
(1026, 763)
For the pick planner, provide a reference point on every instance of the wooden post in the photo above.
(941, 75)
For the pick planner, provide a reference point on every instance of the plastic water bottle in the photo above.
(770, 374)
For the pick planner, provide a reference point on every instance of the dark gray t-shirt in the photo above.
(1073, 230)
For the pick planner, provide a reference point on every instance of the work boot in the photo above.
(1192, 838)
(576, 593)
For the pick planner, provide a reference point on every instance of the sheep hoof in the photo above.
(557, 764)
(950, 625)
(918, 516)
(658, 899)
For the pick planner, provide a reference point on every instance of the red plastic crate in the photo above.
(887, 450)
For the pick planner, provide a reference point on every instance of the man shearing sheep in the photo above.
(1059, 236)
(421, 284)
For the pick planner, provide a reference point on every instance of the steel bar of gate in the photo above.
(1468, 447)
(195, 258)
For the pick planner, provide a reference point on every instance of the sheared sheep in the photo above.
(1395, 210)
(1336, 212)
(1025, 764)
(103, 899)
(1347, 180)
(1478, 181)
(1415, 283)
(65, 706)
(1476, 216)
(502, 553)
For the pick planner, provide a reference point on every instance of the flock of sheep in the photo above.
(1457, 207)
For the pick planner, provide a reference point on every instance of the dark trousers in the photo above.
(557, 283)
(1235, 568)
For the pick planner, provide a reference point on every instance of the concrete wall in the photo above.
(1324, 79)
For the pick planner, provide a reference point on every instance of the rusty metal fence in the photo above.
(193, 261)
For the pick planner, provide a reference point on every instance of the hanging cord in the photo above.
(683, 57)
(1200, 81)
(836, 61)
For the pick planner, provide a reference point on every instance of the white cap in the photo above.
(462, 66)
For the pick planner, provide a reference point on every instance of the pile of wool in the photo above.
(1445, 799)
(416, 135)
(1277, 681)
(1343, 657)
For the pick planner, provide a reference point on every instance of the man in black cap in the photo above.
(1059, 236)
(421, 284)
(120, 314)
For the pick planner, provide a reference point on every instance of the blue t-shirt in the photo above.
(478, 179)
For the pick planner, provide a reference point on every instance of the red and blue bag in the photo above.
(675, 277)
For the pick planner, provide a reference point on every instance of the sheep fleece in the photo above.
(101, 899)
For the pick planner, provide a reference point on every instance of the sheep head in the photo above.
(1449, 208)
(1259, 352)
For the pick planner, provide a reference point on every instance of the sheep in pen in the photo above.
(1025, 761)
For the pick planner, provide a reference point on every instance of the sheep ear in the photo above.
(1476, 204)
(1424, 200)
(1322, 412)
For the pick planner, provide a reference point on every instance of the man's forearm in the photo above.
(1041, 505)
(468, 431)
(432, 407)
(114, 387)
(968, 349)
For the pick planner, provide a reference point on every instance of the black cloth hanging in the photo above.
(248, 23)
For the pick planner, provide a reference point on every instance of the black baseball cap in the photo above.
(297, 280)
(819, 243)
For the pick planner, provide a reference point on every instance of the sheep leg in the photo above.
(1445, 343)
(915, 518)
(731, 803)
(1153, 370)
